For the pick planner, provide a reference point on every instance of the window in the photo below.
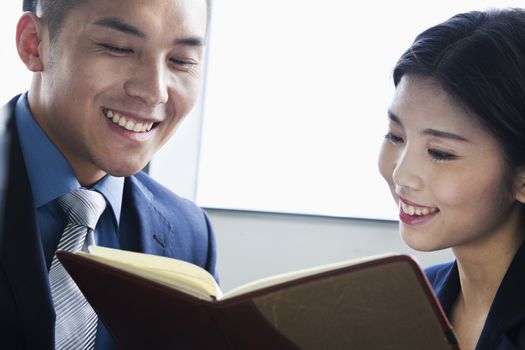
(296, 100)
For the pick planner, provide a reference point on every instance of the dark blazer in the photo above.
(504, 328)
(153, 220)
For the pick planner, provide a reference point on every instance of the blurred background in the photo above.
(281, 149)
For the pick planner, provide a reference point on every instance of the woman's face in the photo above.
(447, 174)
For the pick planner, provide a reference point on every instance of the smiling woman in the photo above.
(453, 159)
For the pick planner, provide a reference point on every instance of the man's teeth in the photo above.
(127, 124)
(416, 211)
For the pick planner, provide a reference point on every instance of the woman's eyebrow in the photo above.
(444, 134)
(394, 118)
(430, 132)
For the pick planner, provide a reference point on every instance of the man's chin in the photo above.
(125, 171)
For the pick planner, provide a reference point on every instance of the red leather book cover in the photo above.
(385, 303)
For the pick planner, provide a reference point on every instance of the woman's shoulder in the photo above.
(436, 273)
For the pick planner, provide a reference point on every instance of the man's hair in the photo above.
(54, 12)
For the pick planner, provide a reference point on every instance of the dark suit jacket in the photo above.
(153, 220)
(505, 325)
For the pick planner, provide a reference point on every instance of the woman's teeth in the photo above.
(417, 211)
(127, 124)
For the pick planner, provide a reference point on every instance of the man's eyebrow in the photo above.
(192, 41)
(119, 25)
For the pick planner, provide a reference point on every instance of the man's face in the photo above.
(117, 80)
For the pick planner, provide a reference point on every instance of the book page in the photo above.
(181, 275)
(290, 276)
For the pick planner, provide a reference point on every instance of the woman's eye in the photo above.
(393, 138)
(440, 155)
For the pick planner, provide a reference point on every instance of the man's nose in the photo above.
(150, 83)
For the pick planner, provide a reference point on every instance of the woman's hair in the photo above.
(479, 59)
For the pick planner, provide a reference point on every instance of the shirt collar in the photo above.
(447, 286)
(112, 188)
(508, 307)
(50, 175)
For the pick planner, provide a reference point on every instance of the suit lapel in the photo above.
(22, 257)
(142, 228)
(505, 325)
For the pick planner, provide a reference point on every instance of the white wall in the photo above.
(253, 245)
(15, 76)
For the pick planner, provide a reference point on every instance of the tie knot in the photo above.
(83, 207)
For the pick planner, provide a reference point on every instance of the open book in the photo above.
(147, 301)
(193, 279)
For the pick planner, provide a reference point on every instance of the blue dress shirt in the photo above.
(51, 176)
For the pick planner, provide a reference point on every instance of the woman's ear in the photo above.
(520, 185)
(28, 39)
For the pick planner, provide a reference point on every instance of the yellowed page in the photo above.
(181, 275)
(285, 277)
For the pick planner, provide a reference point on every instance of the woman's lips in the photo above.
(411, 213)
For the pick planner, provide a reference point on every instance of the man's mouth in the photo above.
(415, 210)
(128, 123)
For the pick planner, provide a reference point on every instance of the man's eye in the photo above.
(440, 155)
(117, 49)
(183, 64)
(393, 138)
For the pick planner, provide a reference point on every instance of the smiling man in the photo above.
(111, 82)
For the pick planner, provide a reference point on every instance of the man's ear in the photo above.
(28, 39)
(520, 185)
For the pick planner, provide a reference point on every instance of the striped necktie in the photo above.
(76, 322)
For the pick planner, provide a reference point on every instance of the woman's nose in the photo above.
(407, 172)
